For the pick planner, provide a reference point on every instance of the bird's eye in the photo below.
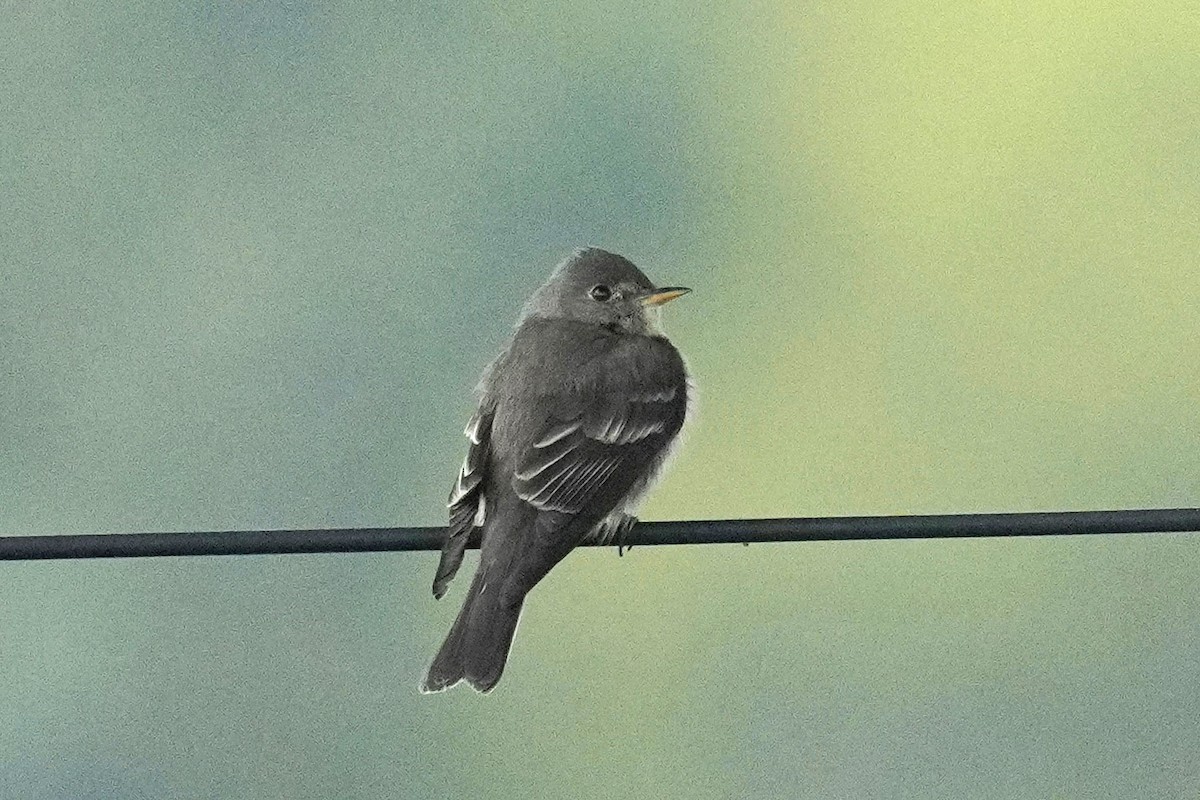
(600, 293)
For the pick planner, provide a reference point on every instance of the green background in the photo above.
(254, 255)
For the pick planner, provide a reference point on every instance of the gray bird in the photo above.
(575, 418)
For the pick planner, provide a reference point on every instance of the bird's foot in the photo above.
(623, 526)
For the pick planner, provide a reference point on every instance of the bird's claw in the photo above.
(623, 527)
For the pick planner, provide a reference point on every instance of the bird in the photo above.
(575, 419)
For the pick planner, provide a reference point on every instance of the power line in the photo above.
(732, 531)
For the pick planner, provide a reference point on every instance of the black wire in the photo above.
(734, 531)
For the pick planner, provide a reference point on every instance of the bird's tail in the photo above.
(477, 646)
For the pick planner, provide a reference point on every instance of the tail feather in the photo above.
(477, 646)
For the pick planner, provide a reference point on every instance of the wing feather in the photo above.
(467, 501)
(557, 432)
(586, 449)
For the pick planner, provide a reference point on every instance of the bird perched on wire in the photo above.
(575, 419)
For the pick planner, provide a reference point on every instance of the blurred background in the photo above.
(254, 255)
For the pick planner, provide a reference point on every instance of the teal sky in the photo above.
(253, 256)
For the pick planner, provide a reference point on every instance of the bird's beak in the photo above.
(664, 295)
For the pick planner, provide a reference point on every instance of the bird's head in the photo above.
(604, 289)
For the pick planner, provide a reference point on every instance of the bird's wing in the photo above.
(466, 498)
(592, 451)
